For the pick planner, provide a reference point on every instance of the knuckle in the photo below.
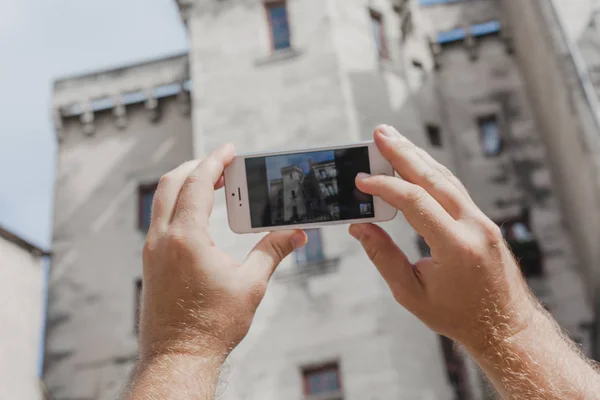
(491, 233)
(165, 179)
(415, 195)
(191, 179)
(257, 292)
(277, 250)
(372, 250)
(474, 252)
(177, 240)
(149, 248)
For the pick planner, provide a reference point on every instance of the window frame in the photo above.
(142, 191)
(480, 121)
(376, 16)
(268, 6)
(308, 372)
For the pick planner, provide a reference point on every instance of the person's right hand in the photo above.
(471, 289)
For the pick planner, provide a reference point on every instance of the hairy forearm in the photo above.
(539, 363)
(175, 376)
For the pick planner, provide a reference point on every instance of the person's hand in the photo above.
(196, 299)
(471, 289)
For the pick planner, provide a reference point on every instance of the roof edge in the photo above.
(119, 67)
(21, 242)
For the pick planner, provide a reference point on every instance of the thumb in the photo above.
(392, 263)
(272, 249)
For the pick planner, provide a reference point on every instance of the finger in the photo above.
(421, 211)
(220, 183)
(167, 193)
(406, 160)
(197, 194)
(271, 250)
(433, 163)
(392, 263)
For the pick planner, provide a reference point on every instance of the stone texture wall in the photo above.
(21, 296)
(91, 341)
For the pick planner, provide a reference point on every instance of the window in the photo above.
(379, 34)
(455, 367)
(489, 131)
(517, 233)
(417, 64)
(406, 25)
(312, 253)
(434, 134)
(279, 24)
(293, 194)
(138, 302)
(331, 190)
(145, 198)
(322, 381)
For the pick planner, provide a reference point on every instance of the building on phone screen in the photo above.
(459, 78)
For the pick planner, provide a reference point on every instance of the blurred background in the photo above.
(102, 98)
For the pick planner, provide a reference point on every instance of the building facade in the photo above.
(22, 291)
(269, 75)
(119, 131)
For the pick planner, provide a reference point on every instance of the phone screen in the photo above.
(303, 188)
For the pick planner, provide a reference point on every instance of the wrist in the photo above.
(497, 329)
(187, 375)
(178, 343)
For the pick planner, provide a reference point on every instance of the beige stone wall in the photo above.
(91, 342)
(21, 291)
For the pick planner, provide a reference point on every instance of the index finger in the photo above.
(197, 194)
(421, 210)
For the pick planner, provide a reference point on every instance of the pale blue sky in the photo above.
(44, 39)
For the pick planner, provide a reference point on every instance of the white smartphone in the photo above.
(304, 189)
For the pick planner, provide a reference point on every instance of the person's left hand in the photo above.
(196, 299)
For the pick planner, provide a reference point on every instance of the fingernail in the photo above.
(298, 240)
(390, 132)
(356, 231)
(362, 176)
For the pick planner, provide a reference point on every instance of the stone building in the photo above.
(271, 75)
(22, 293)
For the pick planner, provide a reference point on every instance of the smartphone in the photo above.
(304, 189)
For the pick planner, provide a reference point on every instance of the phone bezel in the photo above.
(238, 210)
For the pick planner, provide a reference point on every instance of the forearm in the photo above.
(539, 363)
(176, 376)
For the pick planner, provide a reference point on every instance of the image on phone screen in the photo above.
(302, 188)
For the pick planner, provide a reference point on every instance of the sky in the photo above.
(41, 40)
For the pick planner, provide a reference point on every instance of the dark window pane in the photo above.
(280, 29)
(491, 140)
(424, 249)
(525, 247)
(435, 135)
(146, 196)
(322, 380)
(455, 368)
(313, 251)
